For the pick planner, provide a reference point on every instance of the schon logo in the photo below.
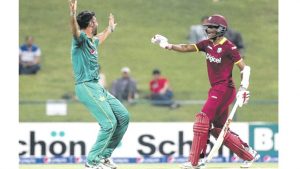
(56, 147)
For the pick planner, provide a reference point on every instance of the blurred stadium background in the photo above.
(129, 45)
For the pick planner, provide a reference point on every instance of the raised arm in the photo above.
(73, 22)
(163, 43)
(107, 31)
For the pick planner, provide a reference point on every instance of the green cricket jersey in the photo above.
(85, 58)
(109, 112)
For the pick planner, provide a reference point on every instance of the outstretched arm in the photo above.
(74, 25)
(107, 31)
(183, 48)
(163, 43)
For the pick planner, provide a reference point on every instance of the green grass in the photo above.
(144, 113)
(129, 45)
(153, 166)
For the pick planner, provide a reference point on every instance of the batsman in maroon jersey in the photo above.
(221, 56)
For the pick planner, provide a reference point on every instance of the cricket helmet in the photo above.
(219, 22)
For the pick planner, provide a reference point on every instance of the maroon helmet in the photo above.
(219, 22)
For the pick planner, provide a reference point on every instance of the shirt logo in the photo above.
(219, 50)
(213, 59)
(214, 97)
(93, 52)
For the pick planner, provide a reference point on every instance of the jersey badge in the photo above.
(219, 50)
(93, 52)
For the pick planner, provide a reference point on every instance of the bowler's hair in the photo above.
(84, 18)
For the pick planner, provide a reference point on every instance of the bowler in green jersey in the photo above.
(109, 112)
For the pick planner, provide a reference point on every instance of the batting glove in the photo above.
(242, 96)
(161, 41)
(158, 38)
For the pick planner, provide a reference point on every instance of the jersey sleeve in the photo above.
(200, 46)
(234, 54)
(97, 41)
(80, 39)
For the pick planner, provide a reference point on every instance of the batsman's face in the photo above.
(94, 25)
(211, 31)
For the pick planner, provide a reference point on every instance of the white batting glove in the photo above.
(161, 41)
(242, 96)
(158, 38)
(165, 45)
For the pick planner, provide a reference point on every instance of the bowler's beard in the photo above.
(95, 31)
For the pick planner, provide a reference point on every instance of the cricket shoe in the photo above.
(256, 156)
(188, 165)
(107, 163)
(87, 166)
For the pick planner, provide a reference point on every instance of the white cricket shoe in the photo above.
(107, 163)
(188, 165)
(202, 162)
(256, 156)
(87, 166)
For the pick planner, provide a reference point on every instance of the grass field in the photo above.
(129, 45)
(154, 166)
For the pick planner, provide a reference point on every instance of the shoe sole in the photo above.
(199, 167)
(257, 156)
(106, 166)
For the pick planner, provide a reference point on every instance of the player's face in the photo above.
(94, 25)
(211, 31)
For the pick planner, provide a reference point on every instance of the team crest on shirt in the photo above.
(219, 50)
(93, 52)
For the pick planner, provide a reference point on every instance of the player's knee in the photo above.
(109, 126)
(201, 124)
(125, 118)
(113, 125)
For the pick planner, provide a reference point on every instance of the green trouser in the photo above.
(111, 115)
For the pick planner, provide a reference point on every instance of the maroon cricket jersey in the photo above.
(220, 59)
